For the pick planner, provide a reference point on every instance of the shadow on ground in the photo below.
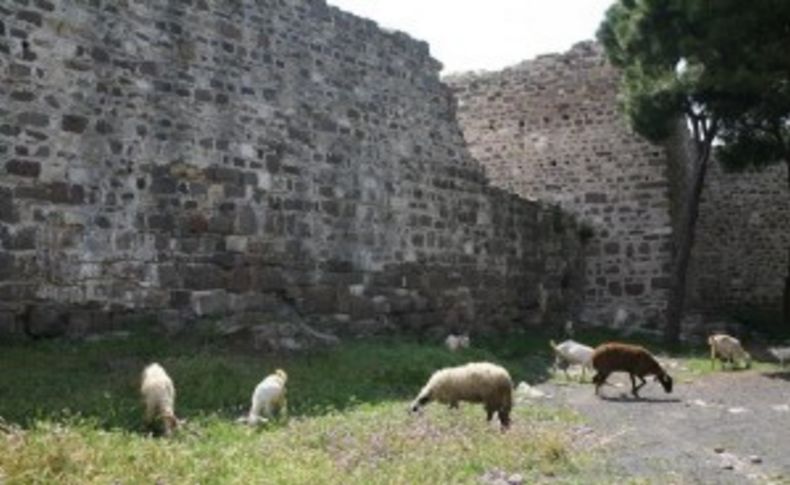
(641, 400)
(784, 375)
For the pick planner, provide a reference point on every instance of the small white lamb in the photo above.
(268, 398)
(456, 342)
(782, 354)
(570, 353)
(729, 348)
(159, 397)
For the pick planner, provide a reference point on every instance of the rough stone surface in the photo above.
(550, 129)
(210, 158)
(740, 260)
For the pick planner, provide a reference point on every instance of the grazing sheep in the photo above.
(159, 397)
(479, 382)
(570, 353)
(781, 353)
(455, 342)
(727, 348)
(268, 397)
(636, 360)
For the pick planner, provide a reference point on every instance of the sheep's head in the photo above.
(170, 423)
(422, 400)
(282, 375)
(666, 382)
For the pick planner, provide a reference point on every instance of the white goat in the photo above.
(570, 353)
(159, 397)
(456, 342)
(728, 348)
(268, 398)
(781, 353)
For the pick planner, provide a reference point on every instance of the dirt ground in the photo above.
(727, 427)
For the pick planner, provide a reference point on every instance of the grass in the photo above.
(73, 415)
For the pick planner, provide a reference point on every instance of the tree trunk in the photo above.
(786, 299)
(684, 242)
(786, 296)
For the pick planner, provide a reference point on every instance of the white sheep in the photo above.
(781, 353)
(456, 342)
(268, 398)
(159, 397)
(570, 353)
(479, 382)
(728, 348)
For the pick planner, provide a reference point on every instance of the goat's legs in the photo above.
(599, 379)
(634, 387)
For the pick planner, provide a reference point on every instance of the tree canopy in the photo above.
(725, 64)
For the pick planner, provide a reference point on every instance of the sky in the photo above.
(470, 35)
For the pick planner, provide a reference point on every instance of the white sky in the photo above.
(486, 34)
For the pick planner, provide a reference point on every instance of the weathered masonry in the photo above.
(210, 158)
(550, 129)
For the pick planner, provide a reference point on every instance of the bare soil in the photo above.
(726, 427)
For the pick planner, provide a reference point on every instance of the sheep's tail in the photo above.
(553, 345)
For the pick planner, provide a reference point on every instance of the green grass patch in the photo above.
(73, 415)
(70, 412)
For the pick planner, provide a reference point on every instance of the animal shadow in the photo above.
(782, 374)
(627, 398)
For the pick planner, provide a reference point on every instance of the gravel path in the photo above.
(727, 427)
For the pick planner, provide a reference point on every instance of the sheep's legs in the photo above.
(490, 413)
(634, 387)
(504, 417)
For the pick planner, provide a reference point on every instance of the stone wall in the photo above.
(211, 158)
(740, 258)
(550, 129)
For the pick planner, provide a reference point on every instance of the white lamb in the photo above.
(268, 398)
(781, 353)
(479, 382)
(456, 342)
(159, 397)
(727, 348)
(570, 353)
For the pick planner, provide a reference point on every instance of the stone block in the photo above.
(9, 324)
(210, 303)
(74, 123)
(23, 168)
(42, 320)
(202, 276)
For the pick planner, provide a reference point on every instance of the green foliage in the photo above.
(723, 62)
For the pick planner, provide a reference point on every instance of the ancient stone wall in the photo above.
(740, 258)
(200, 157)
(550, 129)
